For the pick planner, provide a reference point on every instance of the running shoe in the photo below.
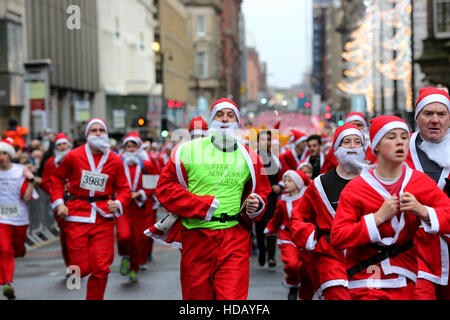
(8, 291)
(293, 293)
(133, 276)
(272, 263)
(125, 266)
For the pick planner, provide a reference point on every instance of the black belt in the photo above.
(225, 218)
(321, 233)
(383, 253)
(88, 199)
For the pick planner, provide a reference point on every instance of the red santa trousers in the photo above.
(427, 290)
(291, 258)
(404, 293)
(91, 248)
(215, 264)
(62, 237)
(12, 244)
(131, 240)
(306, 290)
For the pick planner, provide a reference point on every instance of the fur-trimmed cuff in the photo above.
(372, 228)
(57, 202)
(212, 209)
(433, 225)
(143, 195)
(257, 213)
(311, 242)
(120, 211)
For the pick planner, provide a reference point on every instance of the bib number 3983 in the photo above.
(93, 181)
(9, 211)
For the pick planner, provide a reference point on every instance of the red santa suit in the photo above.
(296, 262)
(93, 180)
(289, 159)
(138, 215)
(14, 216)
(433, 250)
(49, 168)
(229, 248)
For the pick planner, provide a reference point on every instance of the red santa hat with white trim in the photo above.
(198, 126)
(133, 136)
(93, 121)
(62, 138)
(381, 125)
(429, 95)
(297, 136)
(356, 116)
(299, 177)
(224, 103)
(6, 145)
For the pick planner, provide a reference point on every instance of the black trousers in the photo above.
(266, 244)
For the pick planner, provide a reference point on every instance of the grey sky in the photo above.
(281, 30)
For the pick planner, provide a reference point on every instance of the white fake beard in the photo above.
(130, 158)
(142, 153)
(59, 156)
(224, 136)
(438, 152)
(351, 162)
(99, 142)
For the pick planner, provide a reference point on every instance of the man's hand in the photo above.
(62, 211)
(252, 204)
(135, 195)
(388, 209)
(409, 203)
(112, 206)
(27, 173)
(276, 189)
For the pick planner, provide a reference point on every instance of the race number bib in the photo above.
(93, 181)
(9, 210)
(149, 181)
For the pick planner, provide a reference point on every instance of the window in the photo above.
(441, 10)
(201, 25)
(201, 65)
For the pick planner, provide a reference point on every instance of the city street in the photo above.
(40, 275)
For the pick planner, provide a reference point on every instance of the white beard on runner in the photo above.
(352, 160)
(59, 155)
(99, 142)
(130, 158)
(228, 132)
(438, 152)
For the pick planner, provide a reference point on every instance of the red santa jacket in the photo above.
(432, 249)
(280, 222)
(354, 227)
(134, 175)
(79, 161)
(172, 193)
(49, 168)
(312, 213)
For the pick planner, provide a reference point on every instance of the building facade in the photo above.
(204, 32)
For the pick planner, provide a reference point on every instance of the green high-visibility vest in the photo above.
(213, 172)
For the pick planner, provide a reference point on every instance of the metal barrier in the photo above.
(42, 227)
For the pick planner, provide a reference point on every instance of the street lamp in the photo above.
(156, 47)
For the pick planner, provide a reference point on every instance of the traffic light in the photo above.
(164, 128)
(141, 122)
(327, 116)
(340, 123)
(307, 104)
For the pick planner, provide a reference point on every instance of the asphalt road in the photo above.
(40, 275)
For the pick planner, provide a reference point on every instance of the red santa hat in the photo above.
(93, 121)
(381, 125)
(429, 95)
(297, 136)
(343, 131)
(62, 138)
(198, 126)
(356, 116)
(224, 103)
(299, 177)
(7, 146)
(133, 136)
